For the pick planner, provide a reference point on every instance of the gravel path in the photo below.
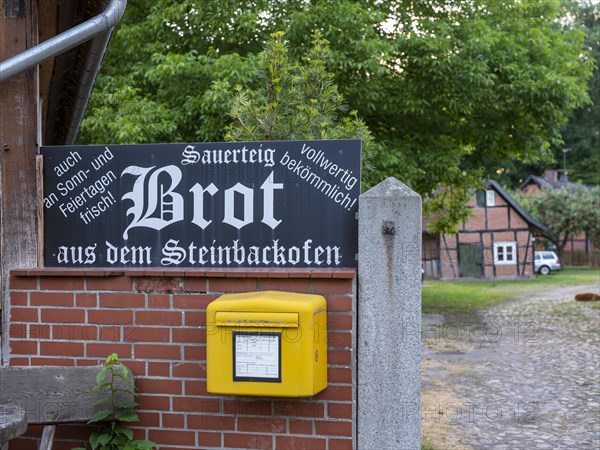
(522, 375)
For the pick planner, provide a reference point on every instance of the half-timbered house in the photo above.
(495, 242)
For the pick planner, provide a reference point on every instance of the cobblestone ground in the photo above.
(522, 375)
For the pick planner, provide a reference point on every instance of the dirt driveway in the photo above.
(524, 374)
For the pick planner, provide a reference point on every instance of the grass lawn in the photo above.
(464, 297)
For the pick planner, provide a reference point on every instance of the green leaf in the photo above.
(102, 386)
(124, 376)
(125, 431)
(127, 391)
(101, 375)
(100, 415)
(101, 401)
(119, 440)
(124, 405)
(104, 439)
(143, 444)
(94, 439)
(124, 371)
(128, 417)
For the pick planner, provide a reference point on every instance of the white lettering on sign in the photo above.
(268, 188)
(175, 254)
(244, 155)
(70, 161)
(247, 195)
(318, 157)
(257, 204)
(198, 192)
(94, 197)
(156, 203)
(125, 255)
(307, 173)
(77, 254)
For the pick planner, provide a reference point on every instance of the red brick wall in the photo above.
(155, 321)
(498, 218)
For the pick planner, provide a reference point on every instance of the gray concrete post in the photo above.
(389, 318)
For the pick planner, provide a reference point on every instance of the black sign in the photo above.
(243, 204)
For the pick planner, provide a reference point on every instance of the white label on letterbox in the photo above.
(256, 356)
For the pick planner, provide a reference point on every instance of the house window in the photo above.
(480, 198)
(490, 198)
(505, 253)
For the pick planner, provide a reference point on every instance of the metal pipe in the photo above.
(87, 78)
(102, 23)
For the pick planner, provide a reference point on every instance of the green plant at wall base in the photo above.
(114, 435)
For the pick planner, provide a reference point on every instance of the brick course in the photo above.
(155, 320)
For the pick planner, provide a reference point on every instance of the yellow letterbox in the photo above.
(267, 344)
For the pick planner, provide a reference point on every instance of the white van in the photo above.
(545, 261)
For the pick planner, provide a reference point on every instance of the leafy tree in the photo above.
(592, 223)
(450, 90)
(294, 101)
(582, 133)
(566, 212)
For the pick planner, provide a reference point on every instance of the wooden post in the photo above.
(19, 102)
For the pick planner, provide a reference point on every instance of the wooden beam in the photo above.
(525, 262)
(47, 441)
(454, 274)
(39, 167)
(48, 29)
(19, 101)
(53, 395)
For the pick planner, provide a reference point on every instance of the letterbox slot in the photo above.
(256, 319)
